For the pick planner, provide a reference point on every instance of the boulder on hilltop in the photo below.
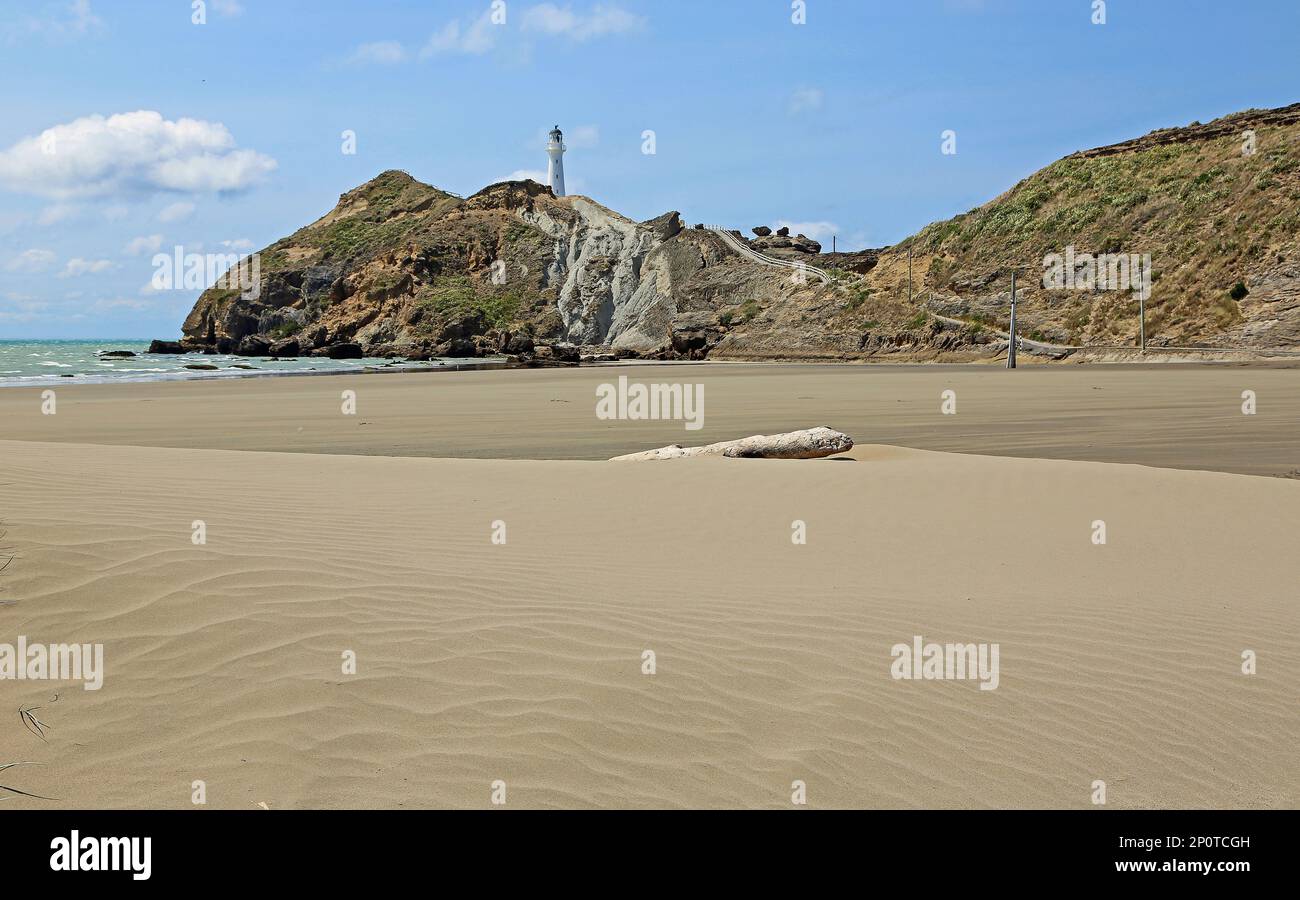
(797, 244)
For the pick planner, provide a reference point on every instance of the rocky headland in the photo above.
(402, 269)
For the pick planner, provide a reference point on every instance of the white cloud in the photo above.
(83, 18)
(12, 221)
(22, 308)
(59, 212)
(598, 21)
(57, 21)
(475, 39)
(116, 304)
(238, 244)
(78, 266)
(31, 261)
(583, 136)
(525, 175)
(382, 53)
(818, 231)
(150, 244)
(131, 154)
(227, 7)
(571, 184)
(860, 239)
(549, 19)
(174, 212)
(805, 100)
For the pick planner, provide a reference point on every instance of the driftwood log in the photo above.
(811, 443)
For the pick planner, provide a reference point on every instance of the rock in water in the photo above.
(254, 345)
(286, 347)
(811, 443)
(165, 347)
(344, 351)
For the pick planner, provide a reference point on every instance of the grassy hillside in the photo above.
(1220, 226)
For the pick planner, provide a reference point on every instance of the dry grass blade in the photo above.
(33, 724)
(5, 787)
(5, 559)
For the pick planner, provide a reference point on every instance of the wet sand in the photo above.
(1170, 416)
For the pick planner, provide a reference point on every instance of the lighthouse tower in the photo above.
(555, 172)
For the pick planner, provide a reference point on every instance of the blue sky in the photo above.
(834, 125)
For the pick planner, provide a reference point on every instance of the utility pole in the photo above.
(1142, 319)
(833, 248)
(909, 276)
(1011, 348)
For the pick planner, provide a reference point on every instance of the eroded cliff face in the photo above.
(597, 265)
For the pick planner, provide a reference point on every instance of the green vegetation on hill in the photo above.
(377, 216)
(456, 297)
(1209, 215)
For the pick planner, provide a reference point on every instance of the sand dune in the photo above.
(522, 662)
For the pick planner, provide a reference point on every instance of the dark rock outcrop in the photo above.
(457, 348)
(514, 344)
(778, 242)
(343, 351)
(254, 345)
(288, 347)
(165, 347)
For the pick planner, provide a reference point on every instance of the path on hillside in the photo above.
(742, 248)
(1022, 343)
(763, 259)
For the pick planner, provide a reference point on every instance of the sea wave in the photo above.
(24, 363)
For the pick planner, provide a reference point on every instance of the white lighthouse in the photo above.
(555, 172)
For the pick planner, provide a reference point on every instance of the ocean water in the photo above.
(33, 363)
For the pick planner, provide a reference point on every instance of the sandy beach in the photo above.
(522, 661)
(1172, 416)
